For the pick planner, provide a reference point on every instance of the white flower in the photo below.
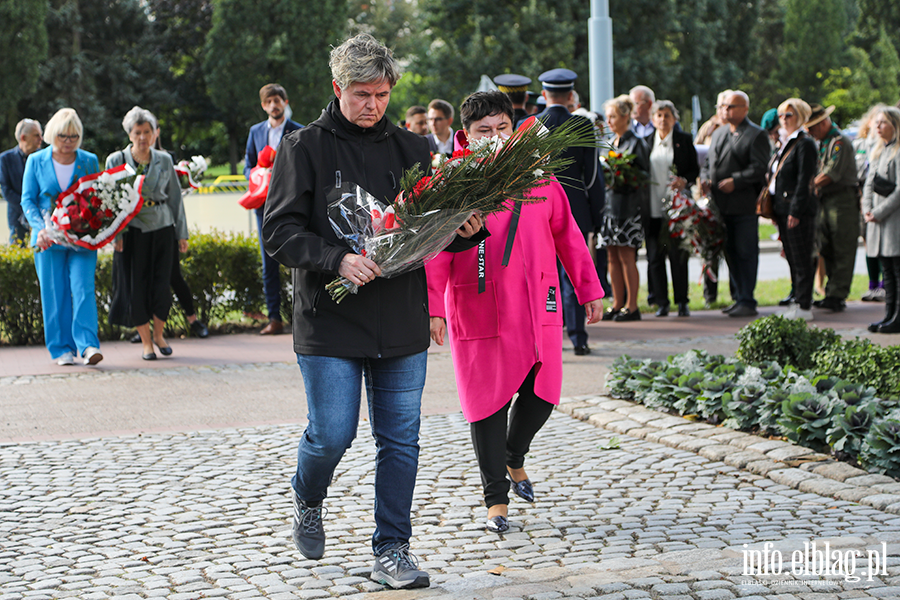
(538, 173)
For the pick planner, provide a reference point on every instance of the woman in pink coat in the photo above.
(506, 338)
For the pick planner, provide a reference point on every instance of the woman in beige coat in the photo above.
(881, 210)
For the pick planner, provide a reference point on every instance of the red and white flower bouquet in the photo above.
(404, 234)
(190, 173)
(96, 207)
(697, 227)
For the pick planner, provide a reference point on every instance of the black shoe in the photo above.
(609, 314)
(743, 310)
(663, 311)
(199, 329)
(627, 315)
(683, 310)
(307, 530)
(787, 301)
(136, 338)
(831, 303)
(498, 524)
(582, 350)
(149, 356)
(397, 568)
(523, 489)
(730, 308)
(164, 350)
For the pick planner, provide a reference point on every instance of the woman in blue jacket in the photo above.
(66, 274)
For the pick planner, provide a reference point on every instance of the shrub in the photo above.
(786, 341)
(860, 360)
(881, 452)
(21, 321)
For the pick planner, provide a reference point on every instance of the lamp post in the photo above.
(600, 52)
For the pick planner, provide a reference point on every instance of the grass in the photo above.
(768, 293)
(217, 171)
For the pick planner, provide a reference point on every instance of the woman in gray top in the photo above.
(142, 265)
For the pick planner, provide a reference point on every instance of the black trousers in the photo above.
(503, 439)
(660, 246)
(180, 286)
(800, 250)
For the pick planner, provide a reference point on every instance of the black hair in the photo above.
(485, 104)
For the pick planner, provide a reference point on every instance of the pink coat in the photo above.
(498, 336)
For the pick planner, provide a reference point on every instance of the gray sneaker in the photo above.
(307, 531)
(397, 568)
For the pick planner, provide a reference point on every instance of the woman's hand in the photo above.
(44, 240)
(471, 227)
(593, 310)
(678, 184)
(119, 244)
(792, 222)
(182, 246)
(358, 269)
(869, 217)
(438, 330)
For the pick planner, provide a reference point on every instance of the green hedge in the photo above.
(224, 273)
(846, 404)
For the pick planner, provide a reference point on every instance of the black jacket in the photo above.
(631, 143)
(792, 194)
(388, 317)
(741, 155)
(582, 180)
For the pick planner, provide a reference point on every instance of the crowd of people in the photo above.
(506, 285)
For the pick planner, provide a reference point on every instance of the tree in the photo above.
(642, 54)
(23, 34)
(284, 41)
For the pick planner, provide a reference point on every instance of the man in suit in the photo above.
(417, 122)
(734, 173)
(274, 102)
(12, 169)
(584, 187)
(440, 122)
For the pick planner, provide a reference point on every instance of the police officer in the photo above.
(836, 184)
(516, 87)
(584, 187)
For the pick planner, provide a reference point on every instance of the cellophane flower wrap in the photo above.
(190, 173)
(697, 226)
(403, 234)
(96, 207)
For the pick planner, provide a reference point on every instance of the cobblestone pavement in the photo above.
(205, 514)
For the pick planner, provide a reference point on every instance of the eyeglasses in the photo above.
(66, 137)
(786, 115)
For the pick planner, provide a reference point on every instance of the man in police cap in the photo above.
(583, 185)
(516, 87)
(836, 184)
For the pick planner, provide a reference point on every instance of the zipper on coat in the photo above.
(316, 294)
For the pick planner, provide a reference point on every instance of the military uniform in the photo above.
(516, 87)
(838, 230)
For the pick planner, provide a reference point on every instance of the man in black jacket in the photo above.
(380, 334)
(734, 172)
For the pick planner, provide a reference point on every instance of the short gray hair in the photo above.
(26, 126)
(644, 91)
(363, 59)
(665, 104)
(138, 116)
(742, 95)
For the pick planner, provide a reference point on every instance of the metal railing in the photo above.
(225, 183)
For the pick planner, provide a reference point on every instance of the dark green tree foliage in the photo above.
(99, 66)
(285, 41)
(23, 36)
(641, 52)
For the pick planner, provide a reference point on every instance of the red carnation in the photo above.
(108, 213)
(421, 185)
(95, 201)
(85, 213)
(461, 153)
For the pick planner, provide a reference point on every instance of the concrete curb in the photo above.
(783, 462)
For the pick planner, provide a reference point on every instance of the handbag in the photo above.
(765, 204)
(882, 185)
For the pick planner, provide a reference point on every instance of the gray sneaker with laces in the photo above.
(307, 531)
(397, 568)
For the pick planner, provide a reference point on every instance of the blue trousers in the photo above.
(333, 395)
(68, 300)
(573, 312)
(271, 276)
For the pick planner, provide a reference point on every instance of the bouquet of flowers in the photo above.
(697, 226)
(620, 171)
(96, 208)
(190, 173)
(421, 221)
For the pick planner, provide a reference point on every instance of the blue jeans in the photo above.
(271, 276)
(742, 254)
(394, 390)
(573, 312)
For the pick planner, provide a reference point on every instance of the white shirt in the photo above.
(445, 147)
(63, 174)
(275, 134)
(642, 131)
(661, 158)
(775, 163)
